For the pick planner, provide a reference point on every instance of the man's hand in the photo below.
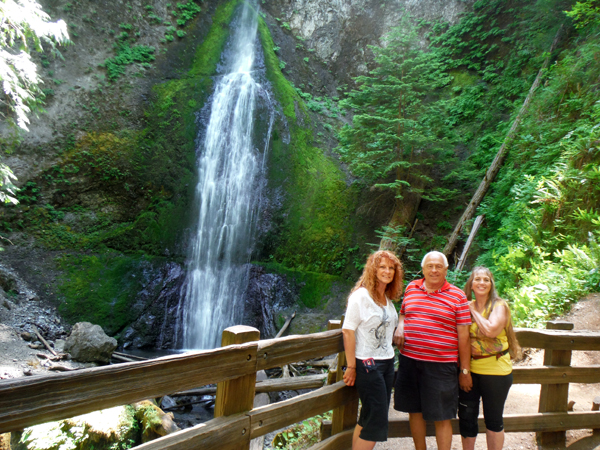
(465, 381)
(349, 376)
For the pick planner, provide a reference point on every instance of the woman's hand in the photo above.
(350, 376)
(398, 338)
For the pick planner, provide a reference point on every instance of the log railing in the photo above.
(28, 401)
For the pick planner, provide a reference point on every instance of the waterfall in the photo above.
(230, 181)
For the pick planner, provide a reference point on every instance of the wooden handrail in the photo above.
(39, 399)
(556, 375)
(278, 352)
(257, 422)
(29, 401)
(558, 339)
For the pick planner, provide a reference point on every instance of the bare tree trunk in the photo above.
(404, 214)
(500, 156)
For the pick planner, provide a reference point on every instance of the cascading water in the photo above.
(230, 181)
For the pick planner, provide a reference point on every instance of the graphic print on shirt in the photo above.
(380, 332)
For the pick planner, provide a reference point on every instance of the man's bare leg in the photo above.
(418, 429)
(443, 434)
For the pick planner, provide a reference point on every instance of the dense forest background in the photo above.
(385, 148)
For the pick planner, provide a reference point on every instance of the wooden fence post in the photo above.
(237, 395)
(345, 416)
(555, 397)
(596, 407)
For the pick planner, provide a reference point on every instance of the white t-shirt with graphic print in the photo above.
(373, 325)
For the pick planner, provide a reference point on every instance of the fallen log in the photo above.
(134, 357)
(122, 358)
(494, 168)
(285, 325)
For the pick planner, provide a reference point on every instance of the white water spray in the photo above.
(230, 179)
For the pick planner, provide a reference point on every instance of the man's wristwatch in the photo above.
(465, 371)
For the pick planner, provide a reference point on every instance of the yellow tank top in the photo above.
(482, 345)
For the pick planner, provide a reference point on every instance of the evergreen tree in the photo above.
(398, 130)
(23, 26)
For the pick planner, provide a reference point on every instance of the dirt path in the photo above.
(524, 398)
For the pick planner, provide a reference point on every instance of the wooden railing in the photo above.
(28, 401)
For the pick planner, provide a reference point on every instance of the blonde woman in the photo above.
(368, 330)
(493, 344)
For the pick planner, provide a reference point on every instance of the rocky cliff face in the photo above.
(337, 33)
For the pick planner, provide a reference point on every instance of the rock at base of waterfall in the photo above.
(154, 421)
(89, 343)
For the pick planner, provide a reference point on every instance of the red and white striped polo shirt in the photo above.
(430, 321)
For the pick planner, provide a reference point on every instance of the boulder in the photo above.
(89, 343)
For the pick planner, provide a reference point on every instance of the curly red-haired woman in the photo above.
(368, 330)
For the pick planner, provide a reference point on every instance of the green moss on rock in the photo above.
(316, 227)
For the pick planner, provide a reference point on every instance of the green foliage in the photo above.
(7, 188)
(127, 55)
(186, 12)
(93, 431)
(25, 26)
(543, 212)
(585, 13)
(301, 436)
(314, 286)
(398, 126)
(313, 232)
(100, 288)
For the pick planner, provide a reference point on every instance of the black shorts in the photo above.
(374, 390)
(427, 387)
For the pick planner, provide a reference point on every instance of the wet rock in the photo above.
(159, 310)
(155, 422)
(89, 343)
(266, 296)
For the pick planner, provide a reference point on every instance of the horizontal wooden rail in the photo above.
(278, 415)
(270, 385)
(39, 399)
(556, 374)
(255, 423)
(278, 352)
(339, 441)
(558, 339)
(515, 423)
(226, 432)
